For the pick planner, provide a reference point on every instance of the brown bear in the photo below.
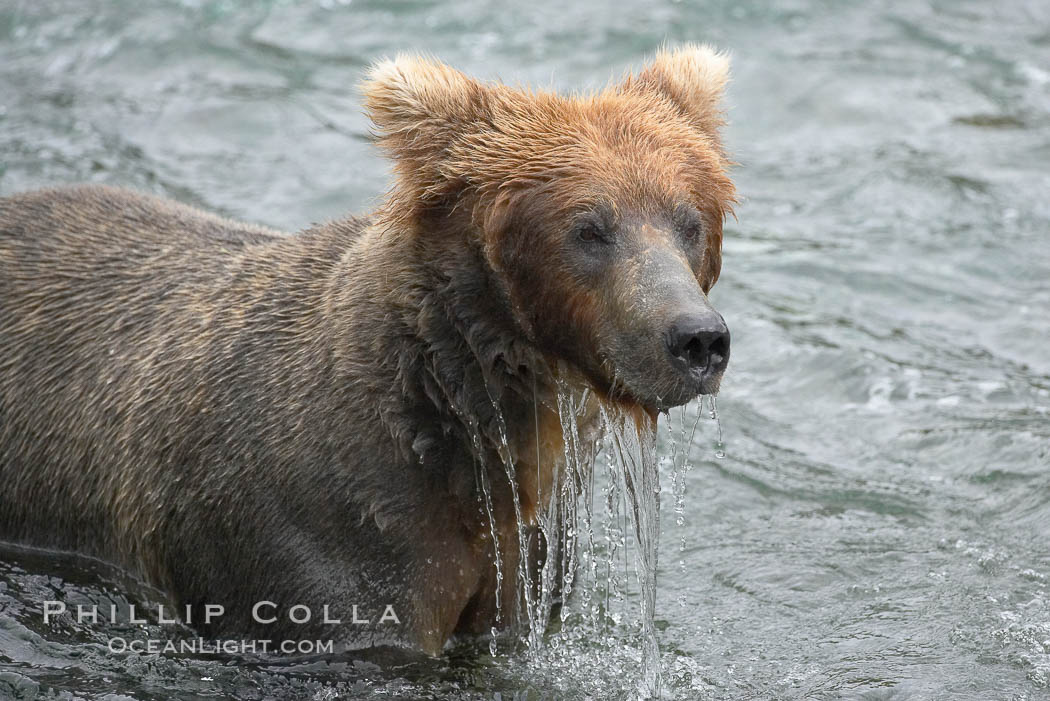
(243, 417)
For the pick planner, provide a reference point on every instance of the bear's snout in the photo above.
(700, 343)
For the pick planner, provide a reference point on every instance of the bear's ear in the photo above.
(419, 106)
(693, 77)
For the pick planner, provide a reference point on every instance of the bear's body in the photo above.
(241, 416)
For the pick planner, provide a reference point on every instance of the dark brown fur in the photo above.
(238, 415)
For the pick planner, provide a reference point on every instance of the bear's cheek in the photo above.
(568, 321)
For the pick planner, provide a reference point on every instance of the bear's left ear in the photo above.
(693, 77)
(419, 107)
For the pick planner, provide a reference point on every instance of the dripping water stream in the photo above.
(598, 572)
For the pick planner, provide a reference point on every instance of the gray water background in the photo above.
(880, 526)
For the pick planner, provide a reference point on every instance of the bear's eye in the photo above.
(590, 232)
(692, 231)
(689, 225)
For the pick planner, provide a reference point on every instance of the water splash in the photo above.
(604, 492)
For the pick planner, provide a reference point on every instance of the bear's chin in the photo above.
(679, 391)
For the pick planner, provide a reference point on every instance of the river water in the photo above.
(879, 525)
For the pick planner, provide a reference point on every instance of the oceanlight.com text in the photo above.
(200, 646)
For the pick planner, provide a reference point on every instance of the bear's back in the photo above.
(119, 312)
(85, 215)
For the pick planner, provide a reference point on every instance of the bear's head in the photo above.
(600, 215)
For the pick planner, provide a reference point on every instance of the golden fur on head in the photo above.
(638, 143)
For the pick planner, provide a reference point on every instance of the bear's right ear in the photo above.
(419, 106)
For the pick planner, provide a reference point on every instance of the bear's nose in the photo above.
(701, 340)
